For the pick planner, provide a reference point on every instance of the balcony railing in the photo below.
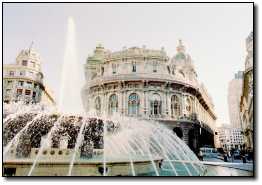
(33, 78)
(142, 76)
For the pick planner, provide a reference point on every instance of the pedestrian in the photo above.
(225, 157)
(244, 159)
(232, 157)
(200, 155)
(228, 154)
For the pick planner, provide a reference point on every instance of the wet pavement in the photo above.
(217, 167)
(214, 167)
(226, 171)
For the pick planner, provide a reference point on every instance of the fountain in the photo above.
(95, 146)
(72, 75)
(39, 141)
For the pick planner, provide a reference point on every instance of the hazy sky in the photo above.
(214, 36)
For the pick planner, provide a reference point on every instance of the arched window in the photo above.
(154, 66)
(188, 106)
(113, 104)
(114, 68)
(133, 104)
(155, 105)
(175, 106)
(98, 105)
(133, 67)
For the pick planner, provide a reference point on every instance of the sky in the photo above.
(213, 34)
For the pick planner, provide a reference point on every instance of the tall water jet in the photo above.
(72, 76)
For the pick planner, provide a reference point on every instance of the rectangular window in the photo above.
(22, 73)
(11, 73)
(19, 91)
(34, 94)
(24, 62)
(21, 83)
(114, 68)
(27, 92)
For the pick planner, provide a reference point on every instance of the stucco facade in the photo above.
(246, 103)
(23, 81)
(234, 95)
(148, 84)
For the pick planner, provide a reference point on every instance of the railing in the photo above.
(33, 78)
(141, 76)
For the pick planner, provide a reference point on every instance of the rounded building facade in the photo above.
(23, 81)
(147, 84)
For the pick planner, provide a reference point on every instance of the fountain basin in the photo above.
(81, 167)
(48, 144)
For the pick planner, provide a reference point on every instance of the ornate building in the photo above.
(147, 84)
(246, 103)
(23, 81)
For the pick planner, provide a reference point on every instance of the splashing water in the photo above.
(72, 76)
(114, 139)
(79, 140)
(120, 138)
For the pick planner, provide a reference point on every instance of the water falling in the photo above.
(72, 75)
(45, 144)
(15, 140)
(117, 139)
(79, 140)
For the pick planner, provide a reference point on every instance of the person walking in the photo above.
(200, 155)
(228, 155)
(232, 155)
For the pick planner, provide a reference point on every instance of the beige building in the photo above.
(23, 81)
(234, 95)
(228, 138)
(246, 103)
(148, 84)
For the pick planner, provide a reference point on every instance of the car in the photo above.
(209, 152)
(237, 155)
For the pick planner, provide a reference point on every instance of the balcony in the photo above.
(191, 117)
(33, 78)
(142, 76)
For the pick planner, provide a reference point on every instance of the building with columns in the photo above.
(234, 95)
(23, 81)
(147, 84)
(246, 102)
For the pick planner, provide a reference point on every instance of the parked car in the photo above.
(237, 155)
(209, 152)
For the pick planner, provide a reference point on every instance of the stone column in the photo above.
(106, 103)
(121, 101)
(183, 104)
(146, 108)
(167, 105)
(125, 104)
(195, 105)
(142, 103)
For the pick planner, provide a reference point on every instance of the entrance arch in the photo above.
(178, 132)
